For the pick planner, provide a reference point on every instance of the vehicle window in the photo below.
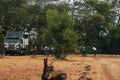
(25, 36)
(10, 40)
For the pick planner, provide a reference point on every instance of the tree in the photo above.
(82, 13)
(1, 43)
(9, 13)
(59, 31)
(111, 42)
(116, 11)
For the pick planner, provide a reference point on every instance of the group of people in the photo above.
(47, 50)
(58, 52)
(84, 51)
(44, 50)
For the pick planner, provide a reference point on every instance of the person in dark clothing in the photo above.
(42, 50)
(84, 51)
(34, 50)
(57, 53)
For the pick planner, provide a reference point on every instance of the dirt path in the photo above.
(107, 73)
(111, 67)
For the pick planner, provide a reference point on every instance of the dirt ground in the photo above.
(102, 67)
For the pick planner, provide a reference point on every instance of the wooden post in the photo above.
(44, 75)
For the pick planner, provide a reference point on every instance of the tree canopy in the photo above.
(59, 31)
(90, 23)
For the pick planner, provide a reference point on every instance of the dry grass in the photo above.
(102, 67)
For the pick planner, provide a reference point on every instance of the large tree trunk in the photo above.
(1, 45)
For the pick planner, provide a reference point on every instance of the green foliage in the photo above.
(11, 14)
(112, 43)
(69, 39)
(1, 43)
(60, 7)
(56, 28)
(59, 31)
(103, 8)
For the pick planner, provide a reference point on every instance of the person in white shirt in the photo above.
(94, 49)
(45, 50)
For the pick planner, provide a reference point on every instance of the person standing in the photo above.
(94, 50)
(52, 51)
(34, 50)
(45, 50)
(42, 50)
(48, 50)
(84, 51)
(57, 53)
